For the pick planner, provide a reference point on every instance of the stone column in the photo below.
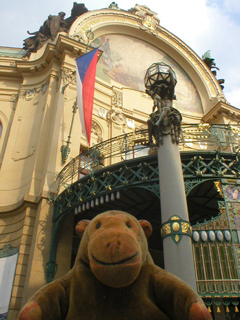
(176, 232)
(164, 125)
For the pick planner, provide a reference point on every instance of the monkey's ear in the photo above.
(81, 226)
(147, 227)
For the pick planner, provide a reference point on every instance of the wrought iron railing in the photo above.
(197, 137)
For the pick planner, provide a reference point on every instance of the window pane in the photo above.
(216, 263)
(207, 263)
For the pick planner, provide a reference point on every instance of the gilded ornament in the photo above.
(175, 226)
(185, 227)
(166, 229)
(177, 238)
(204, 126)
(218, 186)
(175, 218)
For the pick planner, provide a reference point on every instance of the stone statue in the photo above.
(212, 66)
(51, 27)
(57, 24)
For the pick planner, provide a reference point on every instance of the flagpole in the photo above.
(65, 150)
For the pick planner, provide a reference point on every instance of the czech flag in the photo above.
(85, 78)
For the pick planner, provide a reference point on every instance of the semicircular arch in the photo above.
(109, 22)
(203, 200)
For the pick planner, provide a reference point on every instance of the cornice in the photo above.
(21, 205)
(51, 51)
(222, 108)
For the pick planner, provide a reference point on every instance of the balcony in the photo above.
(195, 140)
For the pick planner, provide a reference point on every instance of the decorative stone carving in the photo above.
(67, 76)
(30, 94)
(79, 37)
(142, 127)
(117, 117)
(97, 131)
(117, 99)
(148, 18)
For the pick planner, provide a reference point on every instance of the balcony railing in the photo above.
(197, 137)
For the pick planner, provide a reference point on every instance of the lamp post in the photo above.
(164, 126)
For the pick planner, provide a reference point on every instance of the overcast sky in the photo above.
(202, 24)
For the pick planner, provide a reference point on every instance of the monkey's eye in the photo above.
(98, 225)
(128, 225)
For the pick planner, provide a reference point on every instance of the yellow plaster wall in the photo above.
(17, 228)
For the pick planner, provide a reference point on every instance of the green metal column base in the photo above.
(51, 270)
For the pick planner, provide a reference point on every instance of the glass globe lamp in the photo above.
(159, 74)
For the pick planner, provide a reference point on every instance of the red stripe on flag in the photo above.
(88, 95)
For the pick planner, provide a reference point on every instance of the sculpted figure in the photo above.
(212, 66)
(57, 24)
(51, 27)
(114, 277)
(162, 95)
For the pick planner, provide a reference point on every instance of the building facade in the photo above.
(50, 178)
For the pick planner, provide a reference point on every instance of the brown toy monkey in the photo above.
(114, 278)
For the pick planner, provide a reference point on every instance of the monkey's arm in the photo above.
(177, 299)
(50, 302)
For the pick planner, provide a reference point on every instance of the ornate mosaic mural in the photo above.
(232, 197)
(124, 63)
